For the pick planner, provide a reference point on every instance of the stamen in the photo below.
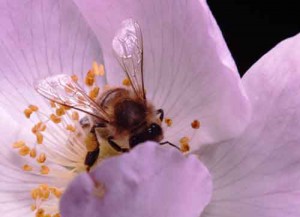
(27, 168)
(90, 78)
(33, 207)
(169, 122)
(60, 111)
(184, 144)
(74, 78)
(28, 112)
(70, 128)
(91, 142)
(44, 170)
(41, 158)
(33, 108)
(126, 82)
(52, 104)
(18, 144)
(75, 116)
(32, 153)
(24, 150)
(55, 119)
(39, 138)
(98, 69)
(94, 92)
(195, 124)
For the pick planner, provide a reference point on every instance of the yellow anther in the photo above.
(32, 153)
(195, 124)
(75, 116)
(91, 142)
(24, 150)
(56, 192)
(33, 207)
(184, 147)
(33, 108)
(169, 122)
(41, 158)
(28, 112)
(71, 128)
(27, 168)
(126, 82)
(94, 92)
(55, 119)
(44, 187)
(74, 78)
(35, 194)
(66, 107)
(40, 213)
(98, 69)
(60, 111)
(18, 144)
(184, 140)
(56, 215)
(39, 138)
(40, 126)
(47, 215)
(90, 78)
(44, 170)
(45, 195)
(52, 104)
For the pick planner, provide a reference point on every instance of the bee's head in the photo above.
(152, 133)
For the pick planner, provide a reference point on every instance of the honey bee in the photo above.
(121, 113)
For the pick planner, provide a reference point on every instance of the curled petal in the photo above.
(258, 173)
(149, 181)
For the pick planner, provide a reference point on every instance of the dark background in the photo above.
(252, 28)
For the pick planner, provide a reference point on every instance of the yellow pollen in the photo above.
(60, 111)
(40, 126)
(91, 142)
(33, 108)
(195, 124)
(98, 69)
(74, 78)
(24, 150)
(55, 119)
(75, 116)
(33, 207)
(35, 194)
(39, 138)
(27, 168)
(90, 78)
(56, 192)
(32, 153)
(28, 112)
(52, 104)
(18, 144)
(184, 147)
(126, 82)
(169, 122)
(56, 215)
(71, 128)
(44, 170)
(39, 213)
(47, 215)
(41, 158)
(94, 92)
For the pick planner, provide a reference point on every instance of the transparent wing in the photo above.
(63, 90)
(128, 47)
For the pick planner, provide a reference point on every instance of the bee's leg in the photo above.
(115, 146)
(160, 112)
(92, 156)
(169, 143)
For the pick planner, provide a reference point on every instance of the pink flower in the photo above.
(249, 163)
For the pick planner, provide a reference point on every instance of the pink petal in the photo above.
(149, 181)
(258, 174)
(188, 69)
(39, 39)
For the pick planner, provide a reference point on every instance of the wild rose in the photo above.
(189, 73)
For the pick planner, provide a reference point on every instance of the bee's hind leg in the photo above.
(160, 112)
(115, 146)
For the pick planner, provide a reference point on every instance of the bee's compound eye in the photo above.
(154, 130)
(135, 140)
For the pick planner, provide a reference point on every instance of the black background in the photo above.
(252, 28)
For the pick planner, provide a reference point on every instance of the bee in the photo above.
(121, 113)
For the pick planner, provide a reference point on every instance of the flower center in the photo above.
(62, 139)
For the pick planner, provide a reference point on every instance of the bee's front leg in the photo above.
(115, 146)
(92, 156)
